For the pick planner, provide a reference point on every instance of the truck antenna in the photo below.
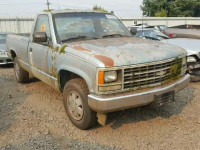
(48, 4)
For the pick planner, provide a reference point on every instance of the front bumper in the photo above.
(193, 66)
(104, 104)
(5, 60)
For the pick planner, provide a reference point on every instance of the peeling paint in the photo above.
(57, 48)
(54, 71)
(106, 60)
(53, 58)
(127, 51)
(62, 49)
(81, 48)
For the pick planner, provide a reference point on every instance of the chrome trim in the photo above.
(110, 103)
(126, 67)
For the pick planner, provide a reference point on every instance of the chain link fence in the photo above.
(24, 24)
(16, 25)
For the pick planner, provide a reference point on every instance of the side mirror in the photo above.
(133, 31)
(40, 37)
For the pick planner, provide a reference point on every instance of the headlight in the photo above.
(109, 80)
(191, 59)
(110, 76)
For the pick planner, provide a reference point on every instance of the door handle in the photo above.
(31, 50)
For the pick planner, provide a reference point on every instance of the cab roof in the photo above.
(52, 11)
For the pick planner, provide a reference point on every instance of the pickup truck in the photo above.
(4, 59)
(99, 66)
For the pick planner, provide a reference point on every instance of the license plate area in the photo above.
(159, 100)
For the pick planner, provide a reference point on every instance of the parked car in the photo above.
(4, 59)
(99, 66)
(138, 26)
(151, 34)
(192, 46)
(187, 26)
(182, 33)
(161, 28)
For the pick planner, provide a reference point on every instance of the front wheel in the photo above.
(76, 104)
(21, 75)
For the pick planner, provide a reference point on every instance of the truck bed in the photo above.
(19, 44)
(21, 34)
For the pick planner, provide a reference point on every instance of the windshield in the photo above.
(151, 34)
(162, 27)
(83, 26)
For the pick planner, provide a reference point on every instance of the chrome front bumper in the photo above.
(5, 60)
(192, 66)
(104, 104)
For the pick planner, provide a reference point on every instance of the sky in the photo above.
(121, 8)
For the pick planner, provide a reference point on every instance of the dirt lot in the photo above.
(32, 116)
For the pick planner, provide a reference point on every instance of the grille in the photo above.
(8, 60)
(150, 75)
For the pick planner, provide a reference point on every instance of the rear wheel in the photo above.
(76, 104)
(21, 75)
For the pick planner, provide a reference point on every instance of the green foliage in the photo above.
(171, 8)
(48, 10)
(162, 13)
(98, 8)
(62, 49)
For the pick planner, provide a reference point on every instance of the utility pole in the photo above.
(58, 5)
(48, 4)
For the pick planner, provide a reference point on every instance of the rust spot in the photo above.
(81, 48)
(54, 71)
(106, 60)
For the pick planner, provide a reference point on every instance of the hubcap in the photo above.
(75, 105)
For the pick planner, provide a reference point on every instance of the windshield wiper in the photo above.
(112, 35)
(75, 38)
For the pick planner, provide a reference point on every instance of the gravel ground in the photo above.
(32, 116)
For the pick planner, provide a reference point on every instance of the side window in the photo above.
(42, 25)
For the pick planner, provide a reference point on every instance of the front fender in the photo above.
(80, 72)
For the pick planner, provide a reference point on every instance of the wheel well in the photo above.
(13, 54)
(65, 76)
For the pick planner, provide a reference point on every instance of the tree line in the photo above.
(171, 8)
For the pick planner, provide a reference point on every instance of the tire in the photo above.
(75, 98)
(21, 75)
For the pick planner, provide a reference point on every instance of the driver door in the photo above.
(40, 53)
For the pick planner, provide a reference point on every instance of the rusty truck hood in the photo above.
(123, 51)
